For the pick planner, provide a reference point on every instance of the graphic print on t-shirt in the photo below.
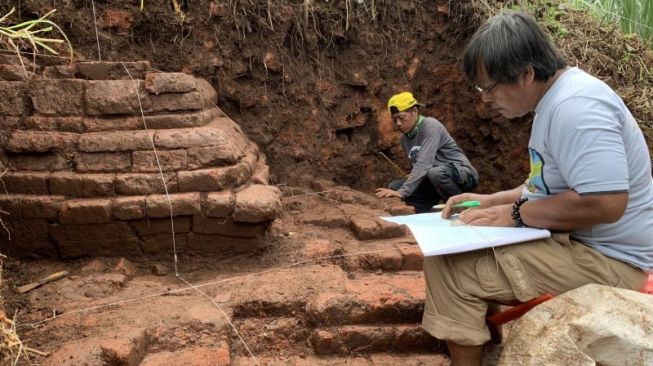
(535, 182)
(412, 154)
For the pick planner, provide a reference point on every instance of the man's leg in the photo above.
(444, 179)
(459, 287)
(424, 197)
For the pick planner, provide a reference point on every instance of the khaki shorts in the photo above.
(460, 286)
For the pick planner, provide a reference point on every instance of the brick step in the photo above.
(357, 339)
(384, 256)
(392, 298)
(380, 359)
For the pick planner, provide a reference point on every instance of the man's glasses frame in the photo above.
(486, 91)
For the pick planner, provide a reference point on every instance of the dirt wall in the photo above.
(308, 83)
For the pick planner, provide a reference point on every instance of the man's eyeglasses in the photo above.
(486, 91)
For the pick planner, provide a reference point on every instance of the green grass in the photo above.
(634, 16)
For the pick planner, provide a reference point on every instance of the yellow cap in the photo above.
(401, 102)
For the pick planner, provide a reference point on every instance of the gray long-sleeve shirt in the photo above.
(431, 146)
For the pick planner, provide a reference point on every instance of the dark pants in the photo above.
(440, 183)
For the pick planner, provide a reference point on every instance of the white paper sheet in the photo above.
(437, 236)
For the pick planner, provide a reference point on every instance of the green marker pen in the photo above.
(466, 204)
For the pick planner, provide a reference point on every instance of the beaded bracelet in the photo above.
(516, 216)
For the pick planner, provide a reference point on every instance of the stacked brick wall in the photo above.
(82, 176)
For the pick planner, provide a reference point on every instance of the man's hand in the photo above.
(493, 216)
(386, 193)
(448, 210)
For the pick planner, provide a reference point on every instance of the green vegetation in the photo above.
(634, 16)
(33, 34)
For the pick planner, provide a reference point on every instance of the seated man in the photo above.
(440, 168)
(590, 183)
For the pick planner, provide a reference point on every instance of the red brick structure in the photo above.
(83, 177)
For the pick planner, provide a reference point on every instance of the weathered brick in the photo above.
(227, 227)
(180, 120)
(219, 204)
(81, 185)
(109, 97)
(170, 160)
(318, 248)
(14, 99)
(40, 162)
(97, 124)
(129, 208)
(375, 228)
(29, 239)
(81, 246)
(86, 211)
(59, 72)
(11, 204)
(182, 204)
(27, 183)
(162, 246)
(52, 123)
(102, 162)
(115, 141)
(386, 260)
(211, 135)
(371, 299)
(40, 207)
(161, 226)
(412, 257)
(62, 97)
(208, 93)
(207, 180)
(40, 141)
(132, 184)
(205, 157)
(90, 232)
(261, 173)
(257, 203)
(172, 102)
(103, 70)
(169, 82)
(15, 73)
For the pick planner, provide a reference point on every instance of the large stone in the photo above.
(257, 203)
(14, 100)
(591, 325)
(169, 82)
(59, 97)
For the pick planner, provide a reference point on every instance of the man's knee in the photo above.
(439, 175)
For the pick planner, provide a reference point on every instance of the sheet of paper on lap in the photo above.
(438, 236)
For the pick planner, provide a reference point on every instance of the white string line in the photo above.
(205, 284)
(172, 221)
(97, 38)
(158, 163)
(225, 316)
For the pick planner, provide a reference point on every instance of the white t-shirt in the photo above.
(584, 138)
